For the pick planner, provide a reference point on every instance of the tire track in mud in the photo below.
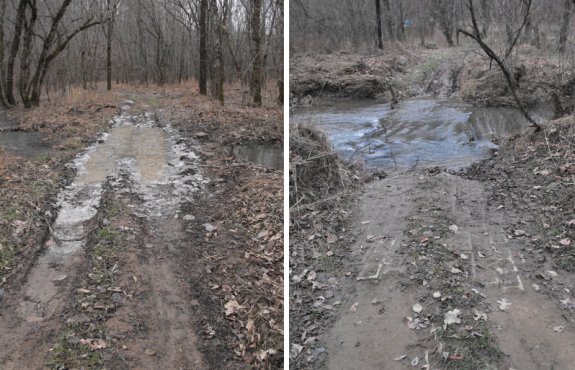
(411, 251)
(136, 158)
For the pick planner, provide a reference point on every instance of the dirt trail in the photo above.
(110, 273)
(411, 249)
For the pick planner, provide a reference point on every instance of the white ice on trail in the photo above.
(161, 169)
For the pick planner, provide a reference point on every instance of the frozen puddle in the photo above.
(163, 171)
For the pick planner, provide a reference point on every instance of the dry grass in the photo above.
(317, 175)
(69, 121)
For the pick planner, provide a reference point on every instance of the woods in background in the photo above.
(49, 45)
(331, 25)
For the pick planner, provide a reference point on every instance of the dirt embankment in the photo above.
(200, 291)
(460, 71)
(347, 75)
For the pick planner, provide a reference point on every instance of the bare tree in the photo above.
(2, 17)
(111, 9)
(203, 47)
(444, 12)
(565, 25)
(378, 20)
(389, 19)
(257, 66)
(501, 61)
(20, 13)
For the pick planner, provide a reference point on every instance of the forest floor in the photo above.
(135, 268)
(438, 269)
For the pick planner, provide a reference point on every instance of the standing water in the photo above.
(417, 133)
(162, 170)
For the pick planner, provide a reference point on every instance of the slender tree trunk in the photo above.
(389, 18)
(26, 51)
(143, 59)
(565, 26)
(486, 13)
(2, 15)
(203, 47)
(110, 33)
(182, 58)
(257, 68)
(401, 26)
(421, 23)
(20, 14)
(220, 52)
(378, 20)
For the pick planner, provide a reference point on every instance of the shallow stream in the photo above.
(417, 133)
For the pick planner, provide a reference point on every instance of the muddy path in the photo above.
(429, 243)
(109, 286)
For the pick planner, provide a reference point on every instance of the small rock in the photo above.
(189, 217)
(417, 308)
(437, 295)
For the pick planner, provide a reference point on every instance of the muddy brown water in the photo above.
(417, 133)
(26, 144)
(146, 145)
(265, 155)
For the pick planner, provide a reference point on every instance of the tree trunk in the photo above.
(203, 47)
(511, 82)
(10, 99)
(421, 24)
(401, 26)
(110, 32)
(565, 26)
(2, 14)
(378, 20)
(26, 51)
(389, 18)
(486, 15)
(257, 68)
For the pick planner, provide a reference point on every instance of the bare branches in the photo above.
(476, 35)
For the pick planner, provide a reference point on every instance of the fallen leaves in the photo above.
(94, 344)
(565, 242)
(452, 317)
(232, 307)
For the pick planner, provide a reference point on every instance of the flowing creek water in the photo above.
(417, 133)
(135, 156)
